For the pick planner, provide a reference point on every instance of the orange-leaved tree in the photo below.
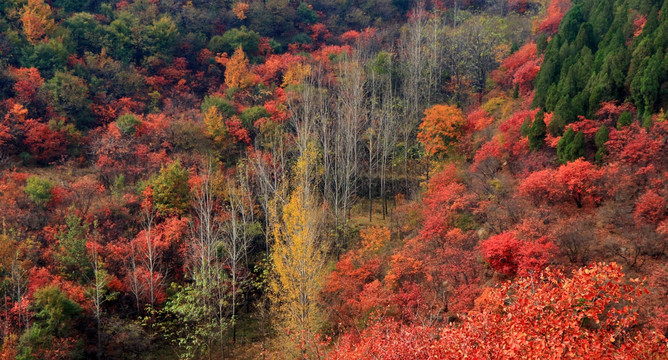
(441, 127)
(588, 316)
(37, 21)
(240, 10)
(549, 316)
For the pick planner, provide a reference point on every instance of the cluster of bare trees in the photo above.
(357, 129)
(222, 231)
(366, 117)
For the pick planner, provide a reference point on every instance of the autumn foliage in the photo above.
(333, 179)
(441, 128)
(37, 21)
(555, 11)
(528, 318)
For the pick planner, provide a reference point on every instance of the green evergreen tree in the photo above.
(650, 82)
(306, 14)
(596, 56)
(563, 143)
(576, 149)
(232, 39)
(600, 139)
(223, 105)
(47, 57)
(585, 37)
(85, 32)
(548, 73)
(563, 115)
(537, 132)
(571, 22)
(160, 38)
(127, 124)
(54, 317)
(601, 136)
(541, 43)
(571, 146)
(71, 97)
(526, 126)
(71, 254)
(625, 119)
(38, 190)
(648, 122)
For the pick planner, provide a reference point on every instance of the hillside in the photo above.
(333, 179)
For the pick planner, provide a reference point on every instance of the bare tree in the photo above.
(236, 238)
(150, 255)
(98, 292)
(480, 41)
(207, 267)
(435, 35)
(132, 265)
(381, 133)
(351, 116)
(411, 51)
(387, 134)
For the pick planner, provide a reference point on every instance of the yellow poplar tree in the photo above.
(214, 126)
(37, 21)
(236, 70)
(295, 74)
(298, 255)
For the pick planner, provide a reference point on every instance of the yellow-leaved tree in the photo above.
(215, 128)
(236, 70)
(37, 21)
(298, 255)
(296, 73)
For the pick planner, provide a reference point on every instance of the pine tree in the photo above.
(600, 139)
(576, 149)
(71, 255)
(648, 122)
(625, 119)
(541, 43)
(563, 144)
(526, 126)
(562, 116)
(537, 132)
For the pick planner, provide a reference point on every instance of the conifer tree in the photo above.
(600, 139)
(571, 146)
(537, 131)
(625, 119)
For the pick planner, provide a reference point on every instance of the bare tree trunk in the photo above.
(236, 240)
(100, 281)
(351, 117)
(207, 269)
(413, 59)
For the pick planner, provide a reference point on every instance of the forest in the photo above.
(330, 179)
